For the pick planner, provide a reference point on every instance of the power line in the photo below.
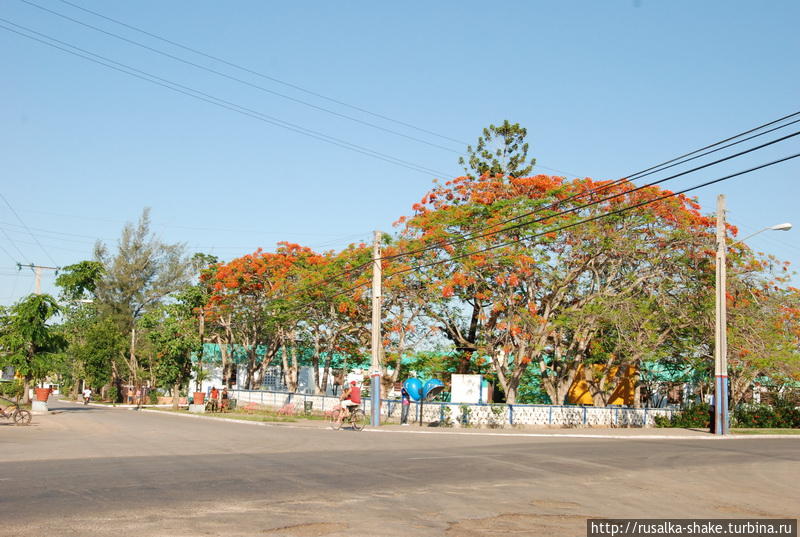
(611, 213)
(471, 236)
(567, 226)
(222, 103)
(655, 169)
(639, 175)
(259, 74)
(6, 251)
(256, 86)
(27, 228)
(240, 80)
(14, 244)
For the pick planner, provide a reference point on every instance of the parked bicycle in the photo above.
(13, 411)
(356, 418)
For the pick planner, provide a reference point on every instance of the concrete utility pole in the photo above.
(37, 271)
(721, 328)
(375, 369)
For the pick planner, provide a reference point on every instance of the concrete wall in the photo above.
(460, 415)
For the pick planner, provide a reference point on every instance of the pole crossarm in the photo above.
(37, 271)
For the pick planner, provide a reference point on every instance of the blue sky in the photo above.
(604, 89)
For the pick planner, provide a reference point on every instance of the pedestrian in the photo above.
(405, 403)
(225, 398)
(712, 415)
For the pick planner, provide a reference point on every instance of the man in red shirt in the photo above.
(351, 398)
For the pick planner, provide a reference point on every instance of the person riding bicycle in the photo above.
(87, 395)
(351, 398)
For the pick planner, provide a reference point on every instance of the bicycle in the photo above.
(357, 419)
(20, 416)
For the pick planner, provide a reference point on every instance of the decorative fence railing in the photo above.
(475, 415)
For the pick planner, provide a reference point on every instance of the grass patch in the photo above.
(256, 415)
(765, 431)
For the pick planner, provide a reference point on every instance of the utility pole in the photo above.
(721, 328)
(37, 271)
(375, 369)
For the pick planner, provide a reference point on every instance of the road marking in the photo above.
(445, 457)
(594, 436)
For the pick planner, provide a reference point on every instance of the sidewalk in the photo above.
(649, 433)
(527, 432)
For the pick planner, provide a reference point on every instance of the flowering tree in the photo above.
(530, 292)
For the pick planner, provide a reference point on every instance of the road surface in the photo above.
(87, 471)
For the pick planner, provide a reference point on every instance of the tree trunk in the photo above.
(327, 367)
(176, 395)
(26, 394)
(291, 379)
(251, 366)
(557, 386)
(133, 365)
(315, 358)
(511, 394)
(223, 351)
(289, 370)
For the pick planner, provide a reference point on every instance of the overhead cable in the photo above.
(211, 99)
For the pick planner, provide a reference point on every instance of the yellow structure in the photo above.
(623, 393)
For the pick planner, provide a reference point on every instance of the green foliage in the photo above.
(12, 389)
(496, 419)
(783, 414)
(173, 336)
(79, 280)
(153, 397)
(28, 339)
(466, 412)
(113, 394)
(447, 417)
(95, 343)
(531, 391)
(501, 150)
(695, 416)
(142, 272)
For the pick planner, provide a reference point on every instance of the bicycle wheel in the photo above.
(334, 425)
(22, 417)
(358, 420)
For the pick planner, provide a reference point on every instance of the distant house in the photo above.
(7, 374)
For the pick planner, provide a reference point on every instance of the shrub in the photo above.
(466, 411)
(113, 394)
(496, 419)
(782, 414)
(153, 397)
(447, 416)
(695, 416)
(12, 390)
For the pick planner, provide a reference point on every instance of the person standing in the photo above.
(224, 398)
(405, 403)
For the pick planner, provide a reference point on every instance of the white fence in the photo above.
(460, 415)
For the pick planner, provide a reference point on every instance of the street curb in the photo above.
(476, 433)
(125, 406)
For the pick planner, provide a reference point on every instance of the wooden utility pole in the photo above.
(37, 271)
(721, 327)
(375, 369)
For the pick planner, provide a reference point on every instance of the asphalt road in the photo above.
(94, 471)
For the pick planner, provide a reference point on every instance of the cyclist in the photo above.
(351, 397)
